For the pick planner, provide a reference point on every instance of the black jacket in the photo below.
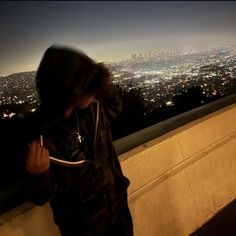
(91, 195)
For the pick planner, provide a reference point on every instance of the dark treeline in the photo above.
(132, 118)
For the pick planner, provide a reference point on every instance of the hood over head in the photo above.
(65, 72)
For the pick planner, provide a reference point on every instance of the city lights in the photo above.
(157, 75)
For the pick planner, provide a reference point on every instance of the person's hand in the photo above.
(37, 160)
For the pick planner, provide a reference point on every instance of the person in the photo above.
(71, 161)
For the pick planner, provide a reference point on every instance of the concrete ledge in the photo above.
(36, 221)
(181, 179)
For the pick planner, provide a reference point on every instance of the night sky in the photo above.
(109, 30)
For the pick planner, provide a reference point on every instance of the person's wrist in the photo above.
(39, 175)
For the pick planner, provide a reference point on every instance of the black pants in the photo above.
(123, 226)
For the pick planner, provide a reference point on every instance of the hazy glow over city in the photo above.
(109, 31)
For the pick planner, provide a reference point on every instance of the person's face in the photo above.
(80, 102)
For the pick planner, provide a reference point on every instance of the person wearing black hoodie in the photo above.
(71, 160)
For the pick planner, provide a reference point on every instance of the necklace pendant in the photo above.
(79, 137)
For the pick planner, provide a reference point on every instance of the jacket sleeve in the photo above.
(38, 189)
(112, 102)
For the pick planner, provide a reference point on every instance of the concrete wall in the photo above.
(183, 178)
(178, 181)
(28, 220)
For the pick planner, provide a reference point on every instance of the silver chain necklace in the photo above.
(79, 137)
(76, 133)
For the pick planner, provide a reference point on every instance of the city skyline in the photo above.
(109, 31)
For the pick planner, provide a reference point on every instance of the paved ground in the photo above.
(223, 224)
